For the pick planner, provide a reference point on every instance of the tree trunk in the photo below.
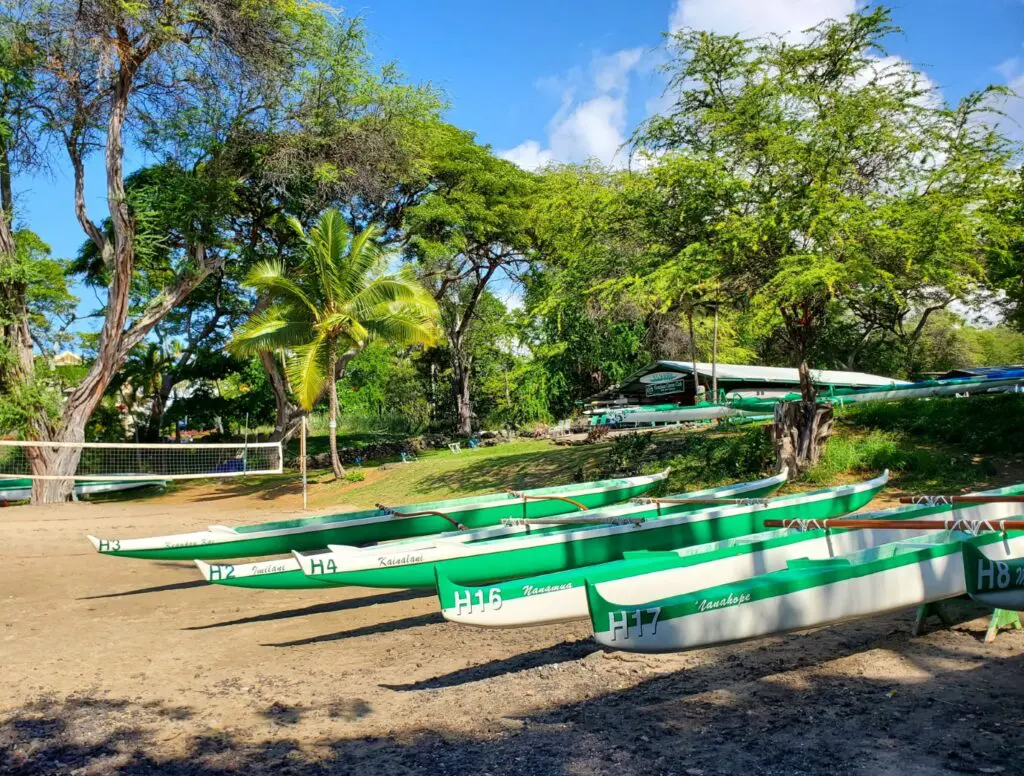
(800, 433)
(462, 403)
(693, 357)
(332, 425)
(714, 358)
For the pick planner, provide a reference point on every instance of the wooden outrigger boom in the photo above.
(967, 526)
(968, 499)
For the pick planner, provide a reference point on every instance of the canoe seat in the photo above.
(816, 563)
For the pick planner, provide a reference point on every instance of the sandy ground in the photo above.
(118, 666)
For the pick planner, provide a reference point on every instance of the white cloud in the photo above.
(595, 129)
(1012, 122)
(529, 155)
(582, 129)
(611, 73)
(751, 18)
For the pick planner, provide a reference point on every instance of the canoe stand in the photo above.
(1000, 619)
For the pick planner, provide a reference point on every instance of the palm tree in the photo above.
(323, 312)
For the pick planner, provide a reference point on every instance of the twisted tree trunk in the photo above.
(332, 426)
(802, 428)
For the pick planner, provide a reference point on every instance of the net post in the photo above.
(302, 462)
(245, 448)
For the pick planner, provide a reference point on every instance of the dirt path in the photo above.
(116, 666)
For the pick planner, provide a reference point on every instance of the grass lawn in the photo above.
(437, 474)
(936, 446)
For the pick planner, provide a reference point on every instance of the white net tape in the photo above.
(109, 461)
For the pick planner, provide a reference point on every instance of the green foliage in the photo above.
(355, 476)
(821, 178)
(628, 454)
(700, 459)
(982, 424)
(332, 304)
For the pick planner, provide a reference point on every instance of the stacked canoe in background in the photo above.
(652, 574)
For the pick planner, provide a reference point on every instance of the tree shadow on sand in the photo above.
(325, 608)
(432, 618)
(734, 710)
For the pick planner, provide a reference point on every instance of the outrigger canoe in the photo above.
(995, 583)
(924, 389)
(643, 576)
(808, 593)
(381, 524)
(545, 550)
(21, 489)
(287, 573)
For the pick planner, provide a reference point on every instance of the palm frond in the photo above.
(276, 327)
(364, 259)
(307, 371)
(326, 253)
(392, 289)
(404, 325)
(271, 278)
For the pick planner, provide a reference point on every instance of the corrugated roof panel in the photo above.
(777, 374)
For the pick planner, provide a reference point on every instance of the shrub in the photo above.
(627, 454)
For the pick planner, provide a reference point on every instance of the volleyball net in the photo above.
(144, 461)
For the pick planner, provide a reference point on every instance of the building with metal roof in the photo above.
(673, 381)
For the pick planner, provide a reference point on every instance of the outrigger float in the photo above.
(381, 524)
(552, 549)
(812, 593)
(643, 576)
(287, 573)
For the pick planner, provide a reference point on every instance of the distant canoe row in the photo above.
(652, 574)
(758, 405)
(20, 489)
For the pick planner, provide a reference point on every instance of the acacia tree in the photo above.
(18, 60)
(325, 311)
(470, 229)
(105, 69)
(834, 162)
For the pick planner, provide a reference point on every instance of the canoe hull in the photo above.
(575, 549)
(276, 574)
(998, 583)
(366, 526)
(765, 606)
(19, 490)
(561, 596)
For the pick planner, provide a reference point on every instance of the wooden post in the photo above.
(714, 358)
(302, 461)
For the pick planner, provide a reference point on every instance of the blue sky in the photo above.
(565, 80)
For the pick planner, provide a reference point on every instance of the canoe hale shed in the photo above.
(665, 382)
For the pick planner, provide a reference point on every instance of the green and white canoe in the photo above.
(995, 583)
(21, 489)
(643, 576)
(548, 550)
(807, 594)
(376, 525)
(287, 574)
